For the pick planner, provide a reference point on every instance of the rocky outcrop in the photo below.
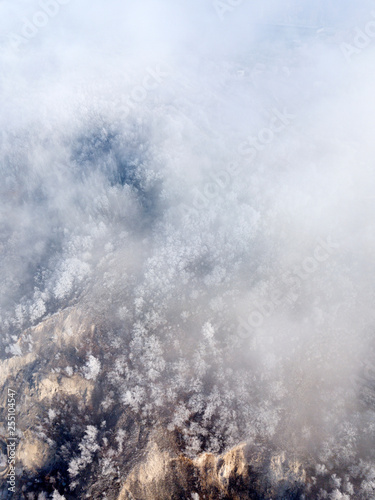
(60, 385)
(39, 377)
(34, 453)
(236, 474)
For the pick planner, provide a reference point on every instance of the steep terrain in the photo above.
(75, 438)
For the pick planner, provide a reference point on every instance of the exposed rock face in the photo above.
(60, 385)
(236, 475)
(33, 453)
(42, 385)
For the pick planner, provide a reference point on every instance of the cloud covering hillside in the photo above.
(187, 239)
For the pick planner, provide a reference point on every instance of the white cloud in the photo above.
(171, 169)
